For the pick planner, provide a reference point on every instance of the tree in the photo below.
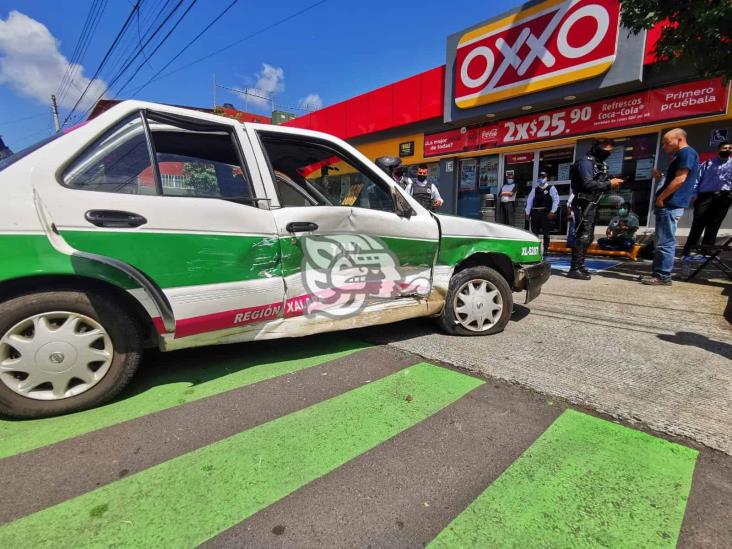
(696, 30)
(200, 178)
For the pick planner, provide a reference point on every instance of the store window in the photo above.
(632, 159)
(556, 163)
(478, 186)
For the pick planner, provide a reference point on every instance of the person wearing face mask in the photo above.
(672, 196)
(541, 207)
(712, 198)
(398, 175)
(620, 234)
(424, 192)
(589, 180)
(508, 201)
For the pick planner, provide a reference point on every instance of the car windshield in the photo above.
(13, 158)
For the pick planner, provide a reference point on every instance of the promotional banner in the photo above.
(648, 107)
(688, 100)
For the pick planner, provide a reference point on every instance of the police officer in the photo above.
(589, 179)
(402, 180)
(423, 191)
(541, 207)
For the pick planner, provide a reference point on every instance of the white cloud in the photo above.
(31, 63)
(311, 101)
(268, 82)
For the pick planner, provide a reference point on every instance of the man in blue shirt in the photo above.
(672, 196)
(712, 198)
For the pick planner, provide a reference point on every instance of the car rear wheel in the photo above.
(64, 351)
(479, 301)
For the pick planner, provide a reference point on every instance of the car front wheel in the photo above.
(64, 351)
(479, 301)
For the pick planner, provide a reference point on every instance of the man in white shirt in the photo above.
(541, 207)
(507, 201)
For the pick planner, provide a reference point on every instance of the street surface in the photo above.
(339, 441)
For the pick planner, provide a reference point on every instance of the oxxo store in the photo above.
(527, 92)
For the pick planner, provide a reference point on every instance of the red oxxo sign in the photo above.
(549, 44)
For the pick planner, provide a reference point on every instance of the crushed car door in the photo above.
(344, 244)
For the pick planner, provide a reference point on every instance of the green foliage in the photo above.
(200, 178)
(699, 31)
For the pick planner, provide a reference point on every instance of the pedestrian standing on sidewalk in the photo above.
(589, 180)
(508, 201)
(541, 207)
(712, 198)
(671, 198)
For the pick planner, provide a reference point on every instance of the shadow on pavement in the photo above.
(701, 341)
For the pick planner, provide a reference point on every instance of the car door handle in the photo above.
(114, 218)
(301, 227)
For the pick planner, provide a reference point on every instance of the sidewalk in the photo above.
(661, 356)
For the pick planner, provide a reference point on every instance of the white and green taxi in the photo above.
(158, 226)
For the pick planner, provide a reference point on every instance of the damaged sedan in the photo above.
(152, 225)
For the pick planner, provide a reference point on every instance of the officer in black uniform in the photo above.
(589, 180)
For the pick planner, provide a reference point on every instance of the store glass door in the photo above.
(520, 168)
(556, 163)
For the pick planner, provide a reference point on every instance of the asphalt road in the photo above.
(331, 442)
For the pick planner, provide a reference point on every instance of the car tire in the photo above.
(496, 302)
(55, 335)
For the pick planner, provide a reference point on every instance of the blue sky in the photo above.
(332, 52)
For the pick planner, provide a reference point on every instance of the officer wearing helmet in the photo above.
(589, 180)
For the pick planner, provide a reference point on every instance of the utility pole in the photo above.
(54, 110)
(214, 91)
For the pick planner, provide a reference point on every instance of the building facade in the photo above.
(527, 92)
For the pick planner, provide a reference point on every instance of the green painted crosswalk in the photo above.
(187, 500)
(585, 482)
(173, 388)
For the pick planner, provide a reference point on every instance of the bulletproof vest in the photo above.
(542, 198)
(423, 195)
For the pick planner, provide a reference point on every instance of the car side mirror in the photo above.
(403, 209)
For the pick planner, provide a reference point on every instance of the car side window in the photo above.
(198, 162)
(312, 173)
(118, 162)
(192, 160)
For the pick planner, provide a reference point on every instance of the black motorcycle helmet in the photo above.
(388, 163)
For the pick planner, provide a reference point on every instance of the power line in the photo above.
(165, 38)
(231, 45)
(44, 113)
(82, 38)
(190, 43)
(83, 47)
(247, 91)
(131, 59)
(104, 59)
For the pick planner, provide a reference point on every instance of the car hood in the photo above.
(465, 227)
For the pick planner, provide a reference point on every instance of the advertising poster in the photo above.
(467, 175)
(488, 173)
(644, 169)
(615, 161)
(563, 171)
